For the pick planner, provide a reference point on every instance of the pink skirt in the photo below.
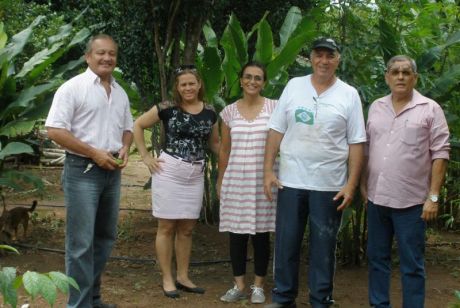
(177, 190)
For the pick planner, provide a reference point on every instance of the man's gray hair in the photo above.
(400, 58)
(99, 36)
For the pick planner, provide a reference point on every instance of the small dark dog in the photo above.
(15, 217)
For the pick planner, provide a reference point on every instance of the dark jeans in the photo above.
(92, 200)
(295, 207)
(239, 252)
(409, 230)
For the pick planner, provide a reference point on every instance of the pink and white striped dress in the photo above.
(244, 208)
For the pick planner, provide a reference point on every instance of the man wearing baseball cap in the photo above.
(318, 129)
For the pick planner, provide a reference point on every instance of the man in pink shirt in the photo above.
(408, 149)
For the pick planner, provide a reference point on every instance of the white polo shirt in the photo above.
(317, 131)
(81, 106)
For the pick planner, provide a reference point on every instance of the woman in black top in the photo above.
(177, 174)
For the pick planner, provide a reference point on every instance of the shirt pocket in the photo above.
(413, 133)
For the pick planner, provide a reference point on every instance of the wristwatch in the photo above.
(433, 198)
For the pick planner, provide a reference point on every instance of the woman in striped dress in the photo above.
(244, 210)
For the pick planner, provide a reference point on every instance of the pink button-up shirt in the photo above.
(401, 149)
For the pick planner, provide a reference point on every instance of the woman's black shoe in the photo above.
(171, 294)
(196, 290)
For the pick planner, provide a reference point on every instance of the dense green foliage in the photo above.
(27, 85)
(155, 36)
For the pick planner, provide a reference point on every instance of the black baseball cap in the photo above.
(325, 42)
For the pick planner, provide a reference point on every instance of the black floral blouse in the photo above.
(186, 134)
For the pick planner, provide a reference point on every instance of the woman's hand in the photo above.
(153, 163)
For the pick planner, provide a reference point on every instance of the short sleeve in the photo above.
(278, 119)
(356, 129)
(225, 114)
(62, 108)
(439, 134)
(163, 108)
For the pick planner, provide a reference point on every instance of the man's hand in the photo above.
(123, 155)
(270, 180)
(346, 194)
(104, 160)
(430, 210)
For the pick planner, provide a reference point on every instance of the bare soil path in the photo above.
(135, 281)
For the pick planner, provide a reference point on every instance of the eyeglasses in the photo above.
(406, 72)
(185, 67)
(249, 77)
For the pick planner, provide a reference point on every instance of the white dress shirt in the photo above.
(81, 105)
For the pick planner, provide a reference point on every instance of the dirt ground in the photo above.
(135, 281)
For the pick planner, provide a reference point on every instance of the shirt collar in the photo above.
(95, 78)
(417, 99)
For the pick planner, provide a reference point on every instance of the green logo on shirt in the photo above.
(304, 116)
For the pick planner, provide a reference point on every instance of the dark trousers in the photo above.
(409, 229)
(295, 207)
(239, 251)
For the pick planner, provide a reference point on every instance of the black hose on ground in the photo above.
(124, 258)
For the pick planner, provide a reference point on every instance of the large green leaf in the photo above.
(63, 281)
(14, 148)
(64, 31)
(31, 281)
(132, 92)
(37, 59)
(293, 17)
(453, 39)
(239, 39)
(60, 280)
(80, 37)
(211, 72)
(230, 64)
(3, 36)
(18, 41)
(17, 128)
(428, 58)
(448, 81)
(54, 56)
(47, 289)
(256, 27)
(19, 181)
(304, 32)
(389, 39)
(29, 95)
(219, 103)
(7, 276)
(210, 35)
(70, 66)
(264, 44)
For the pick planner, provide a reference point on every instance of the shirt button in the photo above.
(388, 144)
(392, 132)
(384, 158)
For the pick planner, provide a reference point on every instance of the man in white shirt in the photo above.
(90, 117)
(318, 129)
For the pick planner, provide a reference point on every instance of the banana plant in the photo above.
(220, 67)
(26, 91)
